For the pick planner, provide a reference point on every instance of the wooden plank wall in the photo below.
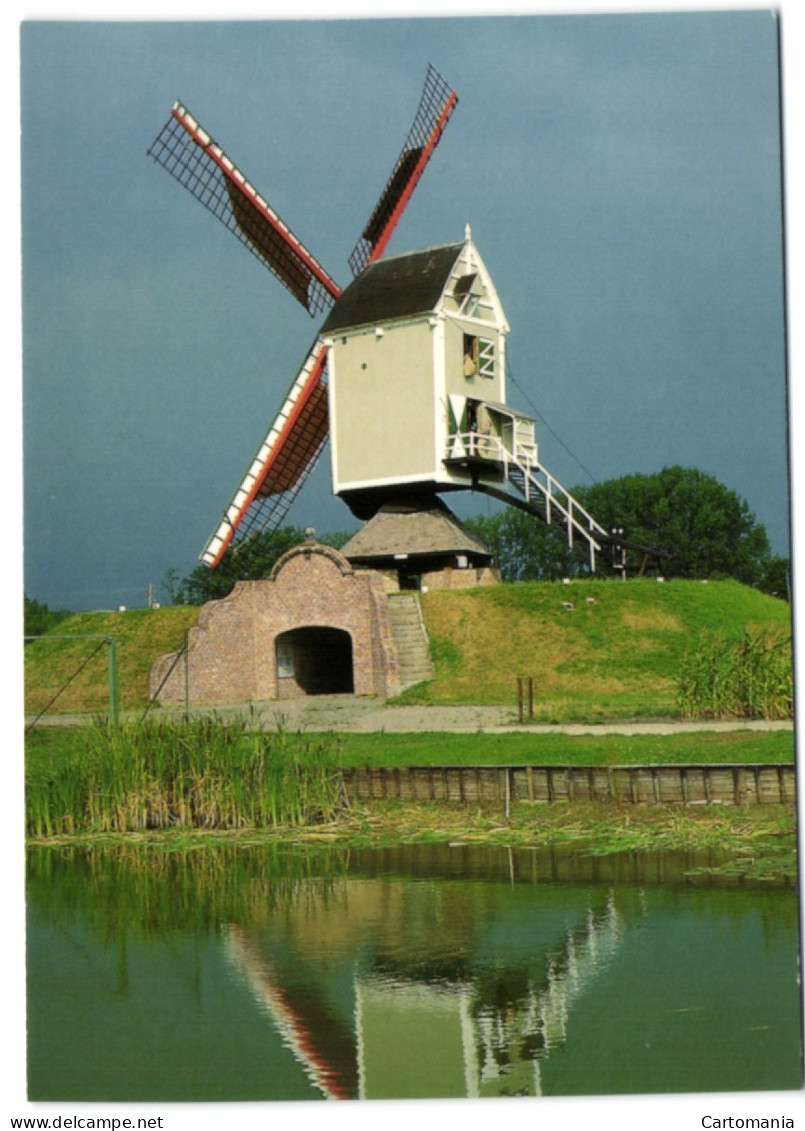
(731, 784)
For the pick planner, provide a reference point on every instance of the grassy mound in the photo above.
(76, 669)
(594, 649)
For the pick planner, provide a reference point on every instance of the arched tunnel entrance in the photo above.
(314, 661)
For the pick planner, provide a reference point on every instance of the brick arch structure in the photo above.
(233, 654)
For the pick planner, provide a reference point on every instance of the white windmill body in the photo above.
(417, 386)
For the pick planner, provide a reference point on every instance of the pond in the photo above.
(266, 973)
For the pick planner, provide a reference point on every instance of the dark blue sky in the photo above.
(621, 174)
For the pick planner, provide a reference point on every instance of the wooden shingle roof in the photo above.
(424, 530)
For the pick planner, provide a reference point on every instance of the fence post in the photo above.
(187, 675)
(520, 698)
(113, 682)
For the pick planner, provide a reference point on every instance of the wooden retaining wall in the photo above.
(727, 784)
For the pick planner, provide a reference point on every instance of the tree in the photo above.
(38, 618)
(776, 580)
(251, 560)
(525, 547)
(708, 528)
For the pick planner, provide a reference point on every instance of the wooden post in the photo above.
(520, 698)
(113, 683)
(531, 697)
(186, 665)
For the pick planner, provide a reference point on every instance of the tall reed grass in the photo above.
(748, 677)
(197, 775)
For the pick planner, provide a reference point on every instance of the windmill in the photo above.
(299, 432)
(407, 373)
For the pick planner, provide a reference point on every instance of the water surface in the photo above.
(264, 973)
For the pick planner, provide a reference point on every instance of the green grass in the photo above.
(447, 749)
(185, 786)
(617, 653)
(751, 677)
(141, 634)
(49, 748)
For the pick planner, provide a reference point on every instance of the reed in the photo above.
(203, 774)
(748, 677)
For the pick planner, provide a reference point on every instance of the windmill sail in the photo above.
(283, 462)
(435, 107)
(190, 155)
(299, 433)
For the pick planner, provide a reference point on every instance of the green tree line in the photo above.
(702, 528)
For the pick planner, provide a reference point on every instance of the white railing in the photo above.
(535, 477)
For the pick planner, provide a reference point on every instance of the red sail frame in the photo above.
(212, 178)
(435, 107)
(284, 460)
(299, 433)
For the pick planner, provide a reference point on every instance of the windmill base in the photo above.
(416, 542)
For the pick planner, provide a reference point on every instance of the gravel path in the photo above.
(349, 713)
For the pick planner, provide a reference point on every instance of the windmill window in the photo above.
(470, 305)
(479, 357)
(467, 293)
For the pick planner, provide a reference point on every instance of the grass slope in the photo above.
(614, 653)
(52, 664)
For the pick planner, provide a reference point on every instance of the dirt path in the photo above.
(349, 713)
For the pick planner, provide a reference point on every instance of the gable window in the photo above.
(467, 292)
(479, 357)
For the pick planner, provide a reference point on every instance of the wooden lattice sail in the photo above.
(298, 434)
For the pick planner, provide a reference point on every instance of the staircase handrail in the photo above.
(525, 459)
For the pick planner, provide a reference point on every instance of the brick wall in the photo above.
(232, 655)
(452, 578)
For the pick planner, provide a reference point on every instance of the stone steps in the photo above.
(410, 638)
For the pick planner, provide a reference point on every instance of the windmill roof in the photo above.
(414, 530)
(397, 287)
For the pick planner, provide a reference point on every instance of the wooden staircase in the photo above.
(410, 638)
